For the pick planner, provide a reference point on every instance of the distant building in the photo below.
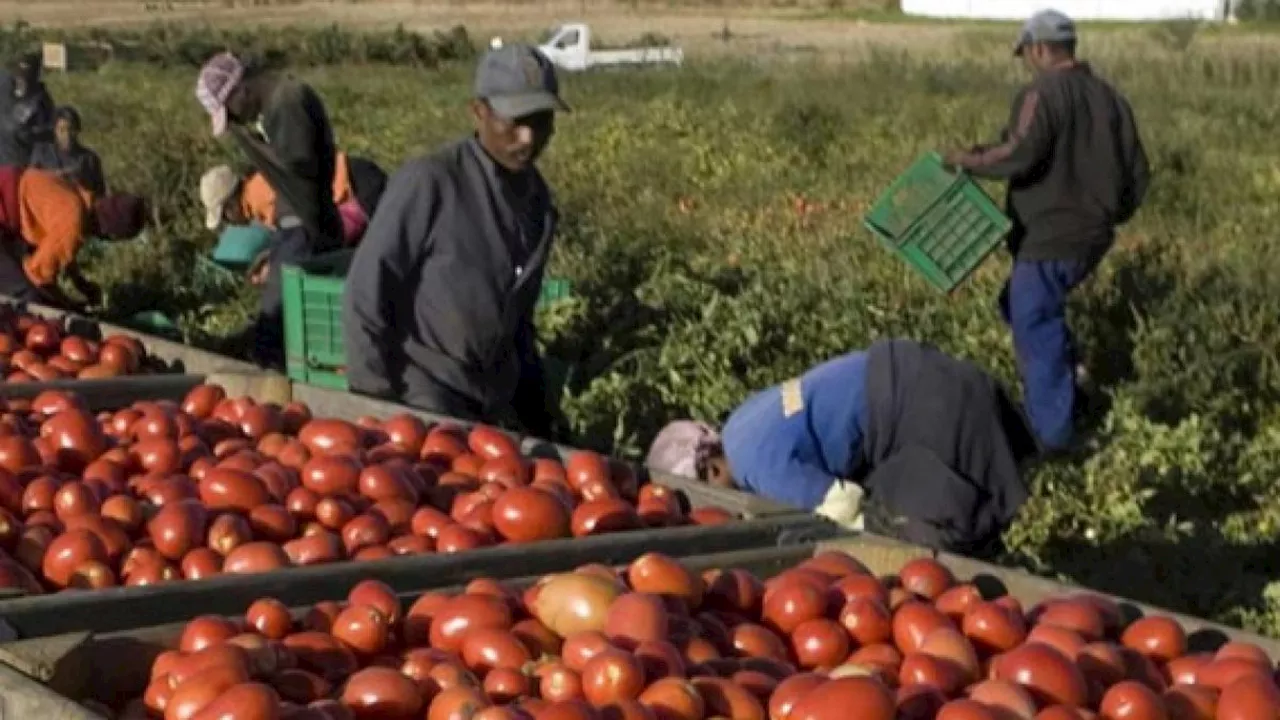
(1209, 10)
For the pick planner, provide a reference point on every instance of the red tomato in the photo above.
(926, 577)
(862, 698)
(634, 618)
(1045, 673)
(464, 613)
(484, 649)
(659, 574)
(612, 676)
(490, 442)
(1160, 638)
(382, 692)
(819, 643)
(867, 621)
(523, 514)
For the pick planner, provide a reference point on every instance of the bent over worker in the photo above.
(295, 152)
(1076, 170)
(439, 301)
(233, 199)
(44, 220)
(899, 439)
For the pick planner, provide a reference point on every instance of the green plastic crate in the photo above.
(941, 223)
(312, 295)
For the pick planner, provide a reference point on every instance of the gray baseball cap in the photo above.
(518, 80)
(1045, 26)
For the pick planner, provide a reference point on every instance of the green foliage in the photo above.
(712, 233)
(190, 44)
(1266, 10)
(1178, 34)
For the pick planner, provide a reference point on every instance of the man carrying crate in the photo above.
(1076, 170)
(899, 439)
(439, 299)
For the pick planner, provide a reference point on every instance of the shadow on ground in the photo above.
(1186, 576)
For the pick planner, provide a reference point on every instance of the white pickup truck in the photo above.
(568, 46)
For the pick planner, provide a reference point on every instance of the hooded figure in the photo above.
(26, 111)
(899, 439)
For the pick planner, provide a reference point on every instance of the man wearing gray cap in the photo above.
(438, 308)
(1076, 170)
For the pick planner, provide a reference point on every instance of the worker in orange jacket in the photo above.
(231, 199)
(44, 220)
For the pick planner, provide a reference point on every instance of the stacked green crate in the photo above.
(312, 295)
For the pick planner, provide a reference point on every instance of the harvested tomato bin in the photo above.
(39, 345)
(857, 628)
(194, 500)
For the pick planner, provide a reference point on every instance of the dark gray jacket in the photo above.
(297, 158)
(80, 165)
(24, 121)
(438, 308)
(943, 445)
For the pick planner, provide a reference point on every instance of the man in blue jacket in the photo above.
(900, 439)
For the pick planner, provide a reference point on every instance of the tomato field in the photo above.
(712, 233)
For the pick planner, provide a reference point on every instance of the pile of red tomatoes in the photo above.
(36, 349)
(163, 491)
(822, 641)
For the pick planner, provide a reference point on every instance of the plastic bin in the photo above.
(941, 223)
(312, 296)
(43, 675)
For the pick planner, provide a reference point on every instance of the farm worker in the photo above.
(438, 308)
(66, 157)
(900, 439)
(1076, 170)
(297, 157)
(233, 199)
(44, 220)
(26, 110)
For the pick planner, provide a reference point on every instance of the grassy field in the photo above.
(712, 230)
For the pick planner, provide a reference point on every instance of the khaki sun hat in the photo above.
(217, 187)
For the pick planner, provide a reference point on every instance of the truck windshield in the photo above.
(562, 37)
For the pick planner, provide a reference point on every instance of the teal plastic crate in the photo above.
(940, 222)
(312, 296)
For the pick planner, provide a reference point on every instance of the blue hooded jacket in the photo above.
(789, 443)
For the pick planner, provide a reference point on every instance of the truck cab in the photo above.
(568, 46)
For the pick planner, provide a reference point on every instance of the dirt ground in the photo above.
(801, 26)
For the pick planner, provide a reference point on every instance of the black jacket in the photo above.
(439, 301)
(943, 443)
(81, 165)
(368, 182)
(1075, 164)
(24, 121)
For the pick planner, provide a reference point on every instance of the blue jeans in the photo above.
(1034, 304)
